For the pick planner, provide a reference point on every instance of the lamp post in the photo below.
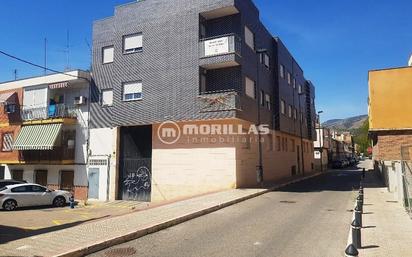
(320, 141)
(301, 131)
(259, 167)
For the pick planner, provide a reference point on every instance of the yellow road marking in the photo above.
(56, 222)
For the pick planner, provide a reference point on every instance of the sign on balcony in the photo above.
(217, 46)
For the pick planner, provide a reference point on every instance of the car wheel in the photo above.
(10, 205)
(59, 201)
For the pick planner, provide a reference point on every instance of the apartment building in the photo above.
(322, 148)
(165, 84)
(44, 131)
(390, 124)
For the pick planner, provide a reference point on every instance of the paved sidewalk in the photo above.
(387, 228)
(89, 237)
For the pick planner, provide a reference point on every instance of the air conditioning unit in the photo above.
(79, 100)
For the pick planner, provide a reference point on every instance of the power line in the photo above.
(40, 66)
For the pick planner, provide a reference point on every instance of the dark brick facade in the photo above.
(169, 65)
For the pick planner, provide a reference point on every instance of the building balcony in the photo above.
(217, 101)
(220, 52)
(59, 155)
(51, 112)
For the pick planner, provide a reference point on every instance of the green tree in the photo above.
(361, 137)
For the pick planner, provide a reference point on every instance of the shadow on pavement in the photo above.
(335, 180)
(9, 233)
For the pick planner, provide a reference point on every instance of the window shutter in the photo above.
(133, 42)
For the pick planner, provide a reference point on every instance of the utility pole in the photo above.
(45, 56)
(301, 129)
(259, 169)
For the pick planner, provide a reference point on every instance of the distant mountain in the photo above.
(348, 124)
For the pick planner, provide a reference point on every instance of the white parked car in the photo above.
(24, 195)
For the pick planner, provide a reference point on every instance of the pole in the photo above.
(45, 56)
(258, 98)
(301, 133)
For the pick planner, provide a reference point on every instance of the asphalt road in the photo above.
(310, 218)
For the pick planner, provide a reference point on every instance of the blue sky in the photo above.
(336, 42)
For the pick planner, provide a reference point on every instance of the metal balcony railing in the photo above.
(219, 101)
(220, 45)
(48, 112)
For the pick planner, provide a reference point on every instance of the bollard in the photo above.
(351, 251)
(356, 234)
(359, 204)
(363, 173)
(358, 215)
(71, 201)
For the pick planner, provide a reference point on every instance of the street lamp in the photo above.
(320, 141)
(301, 131)
(259, 167)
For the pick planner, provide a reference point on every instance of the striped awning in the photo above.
(7, 98)
(37, 137)
(59, 85)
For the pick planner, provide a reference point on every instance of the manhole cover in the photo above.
(120, 252)
(287, 201)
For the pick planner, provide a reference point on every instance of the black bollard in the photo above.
(351, 251)
(363, 173)
(356, 234)
(359, 203)
(358, 215)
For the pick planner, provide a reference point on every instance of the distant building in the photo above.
(322, 147)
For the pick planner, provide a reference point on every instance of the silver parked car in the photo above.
(24, 195)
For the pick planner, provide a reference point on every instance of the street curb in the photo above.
(97, 246)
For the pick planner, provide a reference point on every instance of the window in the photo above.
(300, 89)
(132, 43)
(132, 91)
(295, 114)
(294, 82)
(2, 172)
(265, 59)
(286, 144)
(290, 111)
(293, 145)
(249, 38)
(282, 71)
(267, 101)
(40, 177)
(289, 78)
(21, 189)
(107, 97)
(282, 107)
(67, 180)
(17, 175)
(10, 108)
(262, 98)
(250, 88)
(7, 145)
(108, 54)
(38, 189)
(278, 143)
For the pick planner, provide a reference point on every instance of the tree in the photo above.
(361, 137)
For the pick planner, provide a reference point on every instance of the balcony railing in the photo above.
(219, 101)
(48, 112)
(220, 45)
(58, 154)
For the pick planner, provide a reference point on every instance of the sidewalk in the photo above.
(90, 237)
(387, 227)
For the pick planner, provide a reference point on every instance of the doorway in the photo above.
(1, 172)
(135, 163)
(94, 183)
(40, 177)
(67, 180)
